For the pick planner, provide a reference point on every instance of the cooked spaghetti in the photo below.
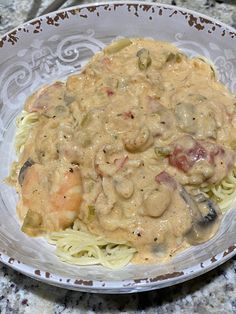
(136, 154)
(84, 248)
(223, 193)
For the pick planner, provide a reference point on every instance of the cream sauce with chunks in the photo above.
(125, 145)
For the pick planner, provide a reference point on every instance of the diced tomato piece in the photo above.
(121, 162)
(184, 159)
(128, 115)
(109, 91)
(179, 160)
(197, 152)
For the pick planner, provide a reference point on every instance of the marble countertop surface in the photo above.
(214, 292)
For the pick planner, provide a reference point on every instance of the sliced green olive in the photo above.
(233, 145)
(174, 57)
(118, 45)
(162, 151)
(91, 212)
(32, 224)
(144, 59)
(86, 120)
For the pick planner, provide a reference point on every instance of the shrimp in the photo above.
(48, 100)
(50, 197)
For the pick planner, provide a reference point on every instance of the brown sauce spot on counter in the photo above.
(37, 272)
(135, 6)
(230, 250)
(145, 7)
(37, 26)
(1, 42)
(92, 9)
(167, 276)
(193, 21)
(83, 282)
(161, 277)
(172, 14)
(117, 5)
(213, 259)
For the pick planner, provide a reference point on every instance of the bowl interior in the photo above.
(56, 45)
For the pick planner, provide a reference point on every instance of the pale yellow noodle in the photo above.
(225, 192)
(25, 122)
(83, 248)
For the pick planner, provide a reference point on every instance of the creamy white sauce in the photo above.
(137, 127)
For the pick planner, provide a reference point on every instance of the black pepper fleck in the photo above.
(24, 302)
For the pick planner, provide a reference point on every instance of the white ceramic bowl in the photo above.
(57, 44)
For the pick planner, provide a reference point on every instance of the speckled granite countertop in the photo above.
(214, 292)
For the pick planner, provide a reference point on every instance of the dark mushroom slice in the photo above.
(204, 215)
(29, 162)
(208, 209)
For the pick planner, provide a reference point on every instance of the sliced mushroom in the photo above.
(204, 213)
(123, 187)
(197, 119)
(208, 209)
(158, 201)
(56, 111)
(138, 141)
(23, 169)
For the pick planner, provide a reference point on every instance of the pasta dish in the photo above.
(130, 160)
